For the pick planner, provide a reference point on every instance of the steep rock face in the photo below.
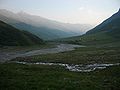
(10, 36)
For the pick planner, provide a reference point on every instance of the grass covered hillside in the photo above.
(106, 32)
(10, 36)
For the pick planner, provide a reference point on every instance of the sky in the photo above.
(69, 11)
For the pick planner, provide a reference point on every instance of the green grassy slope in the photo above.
(92, 39)
(110, 24)
(108, 33)
(10, 36)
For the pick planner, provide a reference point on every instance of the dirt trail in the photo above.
(5, 56)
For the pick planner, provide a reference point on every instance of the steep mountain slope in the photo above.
(10, 36)
(42, 27)
(107, 25)
(106, 32)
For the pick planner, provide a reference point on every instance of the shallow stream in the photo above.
(77, 67)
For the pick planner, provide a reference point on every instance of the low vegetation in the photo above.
(10, 36)
(92, 54)
(40, 77)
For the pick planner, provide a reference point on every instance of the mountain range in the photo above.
(106, 32)
(42, 27)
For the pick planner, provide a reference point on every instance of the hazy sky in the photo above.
(70, 11)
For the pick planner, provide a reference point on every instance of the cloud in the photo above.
(81, 8)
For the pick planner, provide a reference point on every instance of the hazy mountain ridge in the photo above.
(55, 29)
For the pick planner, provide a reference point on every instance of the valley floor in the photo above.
(5, 55)
(54, 77)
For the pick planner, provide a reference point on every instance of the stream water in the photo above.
(77, 67)
(5, 56)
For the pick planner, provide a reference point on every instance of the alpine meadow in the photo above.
(59, 45)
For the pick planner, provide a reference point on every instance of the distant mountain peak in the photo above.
(22, 13)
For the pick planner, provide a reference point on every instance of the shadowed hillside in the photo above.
(10, 36)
